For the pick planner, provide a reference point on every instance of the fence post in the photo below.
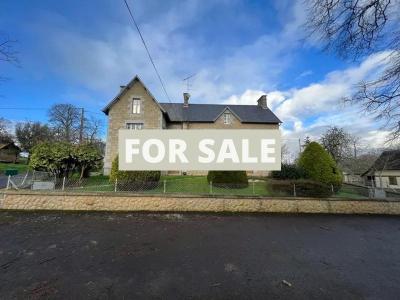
(333, 191)
(116, 184)
(165, 186)
(211, 191)
(63, 185)
(8, 182)
(294, 190)
(253, 187)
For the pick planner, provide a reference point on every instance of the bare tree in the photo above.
(5, 135)
(353, 28)
(92, 129)
(337, 142)
(29, 134)
(65, 121)
(7, 52)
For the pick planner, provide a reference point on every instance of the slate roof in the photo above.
(389, 160)
(210, 112)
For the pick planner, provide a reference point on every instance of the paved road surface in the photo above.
(134, 256)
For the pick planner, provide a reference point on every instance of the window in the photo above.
(136, 106)
(134, 126)
(392, 180)
(227, 118)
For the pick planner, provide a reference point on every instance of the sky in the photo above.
(80, 52)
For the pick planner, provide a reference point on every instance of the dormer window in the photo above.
(136, 105)
(227, 118)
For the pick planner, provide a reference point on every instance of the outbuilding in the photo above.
(9, 152)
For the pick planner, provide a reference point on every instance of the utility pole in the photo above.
(81, 126)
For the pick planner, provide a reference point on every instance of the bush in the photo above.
(229, 179)
(304, 188)
(319, 166)
(289, 171)
(134, 180)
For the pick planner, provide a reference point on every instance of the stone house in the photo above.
(385, 172)
(136, 108)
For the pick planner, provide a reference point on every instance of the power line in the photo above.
(147, 50)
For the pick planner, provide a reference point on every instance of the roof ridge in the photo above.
(209, 104)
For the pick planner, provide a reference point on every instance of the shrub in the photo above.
(319, 166)
(232, 179)
(289, 171)
(304, 188)
(133, 180)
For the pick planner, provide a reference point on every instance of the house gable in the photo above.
(125, 90)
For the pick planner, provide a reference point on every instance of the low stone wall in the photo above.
(17, 200)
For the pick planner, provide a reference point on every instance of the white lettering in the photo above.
(204, 149)
(246, 158)
(266, 150)
(177, 149)
(129, 150)
(228, 151)
(160, 151)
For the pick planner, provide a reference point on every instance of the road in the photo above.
(168, 256)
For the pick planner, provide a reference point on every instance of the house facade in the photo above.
(136, 108)
(385, 172)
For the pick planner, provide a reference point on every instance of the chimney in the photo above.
(262, 102)
(186, 97)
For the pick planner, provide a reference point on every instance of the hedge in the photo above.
(304, 188)
(228, 179)
(133, 180)
(289, 171)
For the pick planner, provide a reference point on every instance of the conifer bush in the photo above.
(319, 166)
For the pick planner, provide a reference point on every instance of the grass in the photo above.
(21, 167)
(192, 185)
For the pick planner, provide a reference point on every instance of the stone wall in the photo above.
(15, 200)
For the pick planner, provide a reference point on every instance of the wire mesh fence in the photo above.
(195, 185)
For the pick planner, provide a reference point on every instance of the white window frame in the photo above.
(136, 105)
(227, 118)
(134, 126)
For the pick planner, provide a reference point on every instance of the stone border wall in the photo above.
(16, 200)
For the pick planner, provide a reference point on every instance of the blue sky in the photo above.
(81, 51)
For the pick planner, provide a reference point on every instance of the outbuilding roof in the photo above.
(389, 160)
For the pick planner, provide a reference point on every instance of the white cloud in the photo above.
(101, 62)
(311, 110)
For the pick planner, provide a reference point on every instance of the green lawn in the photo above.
(21, 167)
(189, 185)
(192, 185)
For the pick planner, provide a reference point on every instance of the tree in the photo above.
(53, 157)
(319, 165)
(353, 28)
(62, 158)
(337, 142)
(7, 52)
(65, 121)
(29, 134)
(86, 157)
(5, 136)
